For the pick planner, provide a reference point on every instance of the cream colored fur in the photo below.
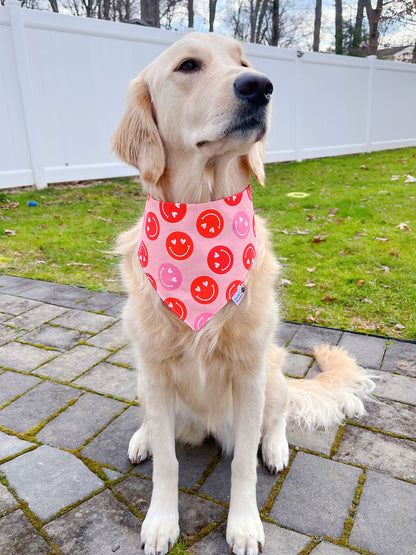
(224, 380)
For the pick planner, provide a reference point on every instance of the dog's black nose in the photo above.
(256, 89)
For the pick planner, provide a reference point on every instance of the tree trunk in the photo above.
(275, 23)
(373, 15)
(54, 5)
(317, 27)
(414, 54)
(149, 11)
(358, 29)
(338, 27)
(212, 9)
(190, 13)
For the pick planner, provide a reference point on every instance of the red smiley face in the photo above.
(143, 255)
(204, 289)
(176, 306)
(172, 211)
(249, 255)
(152, 281)
(232, 289)
(179, 245)
(210, 223)
(220, 259)
(151, 226)
(233, 200)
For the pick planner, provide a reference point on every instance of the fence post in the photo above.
(368, 123)
(26, 92)
(298, 105)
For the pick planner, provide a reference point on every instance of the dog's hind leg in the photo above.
(275, 449)
(161, 525)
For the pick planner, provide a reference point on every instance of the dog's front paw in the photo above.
(245, 534)
(158, 534)
(139, 446)
(275, 453)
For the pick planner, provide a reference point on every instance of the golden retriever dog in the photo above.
(194, 127)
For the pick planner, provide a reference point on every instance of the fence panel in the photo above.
(63, 83)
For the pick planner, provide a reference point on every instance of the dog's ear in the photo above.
(255, 161)
(137, 140)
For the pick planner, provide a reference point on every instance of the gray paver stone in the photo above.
(368, 351)
(308, 337)
(110, 446)
(110, 379)
(400, 357)
(8, 334)
(316, 496)
(285, 332)
(57, 293)
(15, 305)
(24, 357)
(18, 537)
(13, 384)
(100, 302)
(50, 479)
(84, 321)
(7, 501)
(71, 364)
(36, 405)
(71, 428)
(390, 416)
(296, 365)
(11, 445)
(378, 452)
(396, 387)
(218, 483)
(55, 337)
(326, 548)
(385, 518)
(116, 310)
(100, 525)
(124, 356)
(4, 316)
(36, 316)
(111, 338)
(316, 440)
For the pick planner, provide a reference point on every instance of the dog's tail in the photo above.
(339, 391)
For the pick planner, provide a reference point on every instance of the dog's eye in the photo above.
(189, 65)
(244, 64)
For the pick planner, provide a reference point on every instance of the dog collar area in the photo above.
(197, 256)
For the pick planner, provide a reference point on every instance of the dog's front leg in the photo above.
(245, 534)
(161, 525)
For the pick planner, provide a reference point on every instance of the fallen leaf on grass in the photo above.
(394, 254)
(328, 298)
(320, 238)
(395, 177)
(311, 269)
(310, 283)
(77, 264)
(410, 179)
(285, 282)
(367, 300)
(9, 205)
(300, 232)
(386, 269)
(382, 239)
(403, 226)
(9, 232)
(360, 282)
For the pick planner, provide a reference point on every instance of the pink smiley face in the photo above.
(172, 212)
(249, 255)
(179, 245)
(241, 225)
(220, 259)
(204, 289)
(152, 227)
(233, 200)
(201, 320)
(176, 306)
(170, 276)
(143, 255)
(210, 223)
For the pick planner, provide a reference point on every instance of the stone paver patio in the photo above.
(68, 409)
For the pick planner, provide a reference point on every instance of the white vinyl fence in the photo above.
(63, 83)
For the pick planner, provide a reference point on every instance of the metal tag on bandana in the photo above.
(239, 294)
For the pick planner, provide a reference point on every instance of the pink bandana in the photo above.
(197, 256)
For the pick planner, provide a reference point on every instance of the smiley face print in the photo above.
(179, 245)
(220, 259)
(204, 289)
(210, 224)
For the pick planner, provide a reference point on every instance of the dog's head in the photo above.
(200, 96)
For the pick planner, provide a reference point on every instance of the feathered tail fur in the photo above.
(328, 398)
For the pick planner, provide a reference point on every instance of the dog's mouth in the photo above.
(244, 126)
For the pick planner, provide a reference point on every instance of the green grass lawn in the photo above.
(347, 249)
